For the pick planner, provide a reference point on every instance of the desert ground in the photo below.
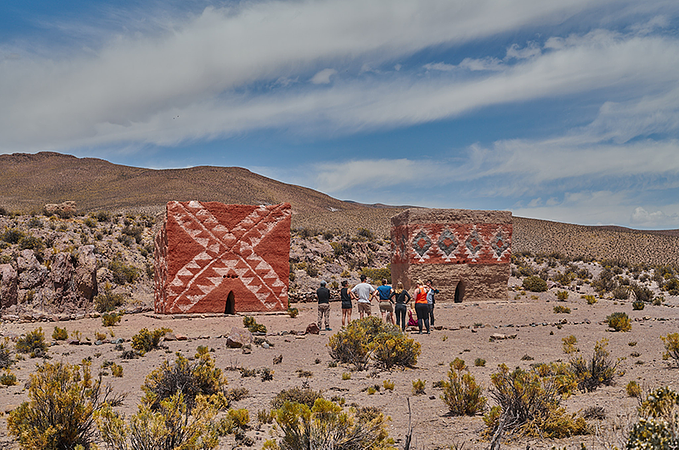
(463, 330)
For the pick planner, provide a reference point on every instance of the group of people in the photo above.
(392, 302)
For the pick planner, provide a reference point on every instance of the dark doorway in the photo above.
(459, 292)
(230, 304)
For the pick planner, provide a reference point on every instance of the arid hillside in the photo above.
(29, 181)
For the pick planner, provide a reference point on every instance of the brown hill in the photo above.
(28, 181)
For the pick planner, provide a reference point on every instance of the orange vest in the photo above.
(420, 295)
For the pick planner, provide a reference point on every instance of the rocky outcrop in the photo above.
(65, 208)
(8, 285)
(85, 276)
(32, 274)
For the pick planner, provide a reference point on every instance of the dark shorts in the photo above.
(346, 305)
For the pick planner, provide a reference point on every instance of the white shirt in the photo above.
(363, 291)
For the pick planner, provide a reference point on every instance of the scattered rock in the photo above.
(498, 337)
(312, 328)
(239, 337)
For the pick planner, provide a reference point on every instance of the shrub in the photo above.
(598, 370)
(590, 299)
(5, 356)
(122, 273)
(370, 337)
(171, 427)
(642, 293)
(117, 370)
(346, 376)
(12, 236)
(60, 410)
(251, 324)
(107, 300)
(562, 295)
(657, 301)
(461, 393)
(237, 394)
(633, 389)
(190, 378)
(145, 340)
(560, 309)
(296, 395)
(619, 321)
(569, 344)
(529, 405)
(534, 284)
(620, 293)
(59, 334)
(658, 426)
(377, 275)
(33, 343)
(327, 425)
(293, 312)
(638, 305)
(388, 385)
(266, 374)
(418, 386)
(392, 347)
(8, 378)
(671, 342)
(110, 319)
(480, 362)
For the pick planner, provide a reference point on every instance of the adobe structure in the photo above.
(217, 258)
(465, 253)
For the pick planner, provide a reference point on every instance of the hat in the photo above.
(322, 282)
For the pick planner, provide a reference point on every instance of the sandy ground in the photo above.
(466, 332)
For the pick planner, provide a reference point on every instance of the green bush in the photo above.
(304, 396)
(327, 425)
(8, 378)
(562, 295)
(122, 273)
(251, 324)
(145, 340)
(633, 389)
(33, 343)
(619, 321)
(620, 293)
(59, 334)
(560, 309)
(192, 379)
(638, 305)
(5, 356)
(418, 386)
(370, 337)
(107, 300)
(61, 406)
(31, 243)
(293, 312)
(461, 393)
(671, 342)
(642, 293)
(598, 370)
(590, 299)
(377, 275)
(12, 236)
(658, 426)
(173, 426)
(534, 284)
(529, 405)
(569, 344)
(110, 319)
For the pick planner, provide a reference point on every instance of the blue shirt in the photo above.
(384, 291)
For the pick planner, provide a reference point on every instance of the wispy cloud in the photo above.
(129, 86)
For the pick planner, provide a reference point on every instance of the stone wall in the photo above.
(217, 258)
(465, 253)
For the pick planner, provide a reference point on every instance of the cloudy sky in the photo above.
(563, 110)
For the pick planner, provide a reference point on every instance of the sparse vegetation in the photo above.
(251, 324)
(146, 340)
(32, 343)
(560, 309)
(59, 334)
(671, 342)
(418, 387)
(60, 412)
(619, 321)
(598, 370)
(461, 393)
(534, 284)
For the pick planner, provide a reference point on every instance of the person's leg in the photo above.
(327, 317)
(431, 315)
(320, 315)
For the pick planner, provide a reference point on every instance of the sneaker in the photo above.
(328, 329)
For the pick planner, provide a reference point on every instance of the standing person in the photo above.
(421, 305)
(346, 296)
(386, 306)
(323, 294)
(402, 298)
(364, 293)
(431, 301)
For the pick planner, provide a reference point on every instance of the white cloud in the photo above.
(481, 64)
(323, 77)
(530, 51)
(443, 67)
(656, 219)
(126, 88)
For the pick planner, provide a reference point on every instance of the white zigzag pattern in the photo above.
(208, 223)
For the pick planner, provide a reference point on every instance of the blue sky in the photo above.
(565, 111)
